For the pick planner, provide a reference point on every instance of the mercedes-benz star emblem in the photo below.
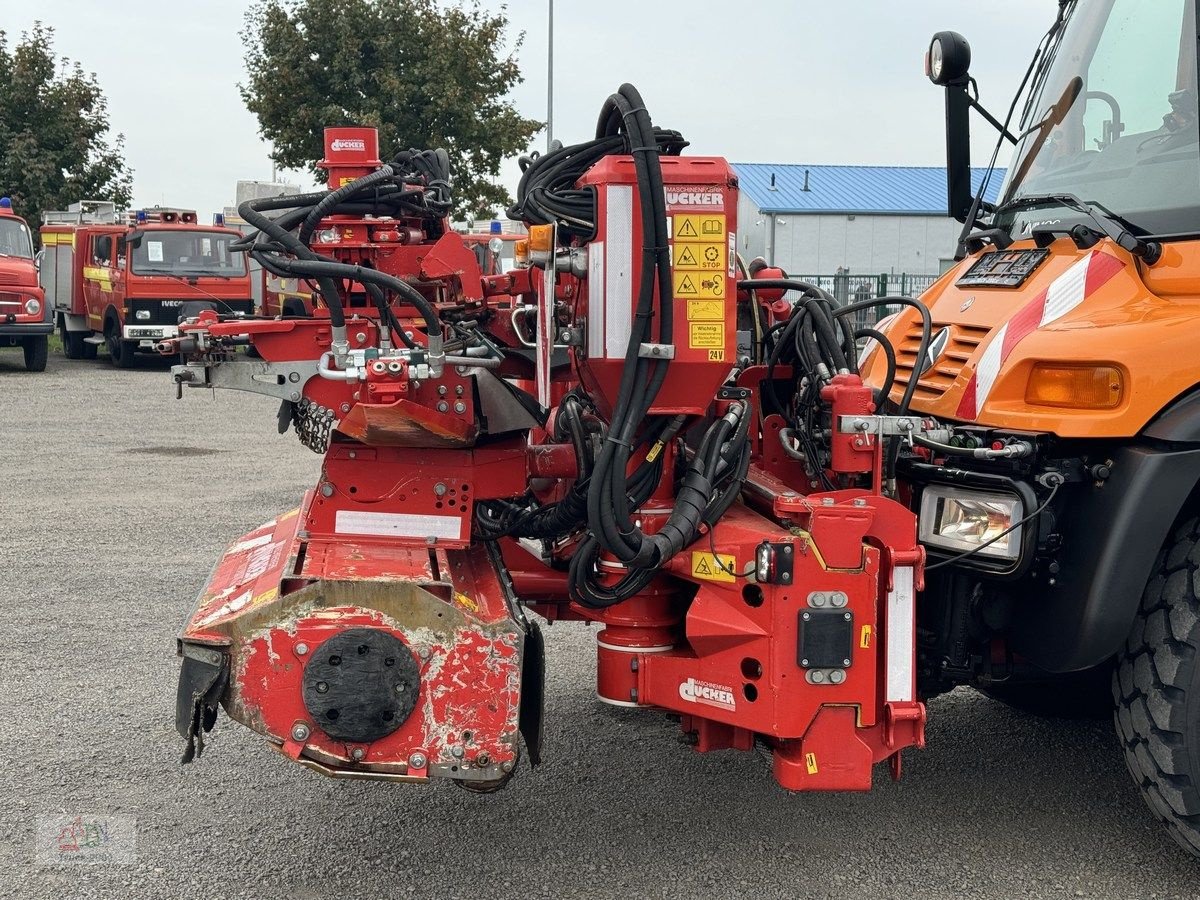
(937, 346)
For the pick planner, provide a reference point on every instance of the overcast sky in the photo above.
(787, 81)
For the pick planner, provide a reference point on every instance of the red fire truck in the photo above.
(124, 280)
(24, 319)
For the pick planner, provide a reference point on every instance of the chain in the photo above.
(313, 424)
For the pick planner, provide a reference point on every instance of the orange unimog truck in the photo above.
(1061, 511)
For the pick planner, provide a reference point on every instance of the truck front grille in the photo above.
(964, 340)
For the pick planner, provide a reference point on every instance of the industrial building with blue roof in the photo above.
(864, 220)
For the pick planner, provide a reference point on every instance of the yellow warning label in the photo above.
(707, 310)
(686, 226)
(698, 256)
(720, 567)
(712, 256)
(706, 335)
(686, 257)
(710, 285)
(865, 640)
(698, 227)
(716, 356)
(810, 763)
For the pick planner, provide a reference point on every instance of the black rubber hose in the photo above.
(889, 352)
(327, 203)
(923, 347)
(817, 302)
(328, 288)
(330, 269)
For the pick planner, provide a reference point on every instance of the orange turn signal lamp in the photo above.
(1075, 386)
(541, 238)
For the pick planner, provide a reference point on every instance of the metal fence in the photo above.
(849, 288)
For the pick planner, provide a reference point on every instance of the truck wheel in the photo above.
(119, 350)
(37, 350)
(1157, 689)
(73, 345)
(1079, 695)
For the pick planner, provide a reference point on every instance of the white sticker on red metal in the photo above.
(378, 524)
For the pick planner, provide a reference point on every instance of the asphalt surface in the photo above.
(116, 502)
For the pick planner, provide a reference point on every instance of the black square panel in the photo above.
(826, 638)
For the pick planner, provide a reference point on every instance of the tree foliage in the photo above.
(425, 74)
(54, 146)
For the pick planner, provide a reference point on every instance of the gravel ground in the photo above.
(117, 502)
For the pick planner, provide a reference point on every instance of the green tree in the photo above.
(426, 74)
(54, 146)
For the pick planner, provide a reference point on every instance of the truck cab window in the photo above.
(102, 250)
(14, 239)
(187, 253)
(1130, 140)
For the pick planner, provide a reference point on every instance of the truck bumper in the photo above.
(25, 329)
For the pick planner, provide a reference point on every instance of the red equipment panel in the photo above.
(701, 197)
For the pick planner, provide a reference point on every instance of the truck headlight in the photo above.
(957, 519)
(32, 307)
(142, 314)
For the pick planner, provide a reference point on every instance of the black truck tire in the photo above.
(1157, 688)
(120, 351)
(1078, 695)
(74, 346)
(37, 351)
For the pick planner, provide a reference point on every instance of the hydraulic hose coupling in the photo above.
(437, 356)
(325, 368)
(340, 345)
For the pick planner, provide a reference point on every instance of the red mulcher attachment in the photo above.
(578, 438)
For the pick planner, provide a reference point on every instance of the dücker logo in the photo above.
(719, 695)
(348, 144)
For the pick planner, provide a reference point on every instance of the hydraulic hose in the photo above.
(330, 201)
(328, 287)
(922, 348)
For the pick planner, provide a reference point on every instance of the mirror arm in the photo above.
(992, 120)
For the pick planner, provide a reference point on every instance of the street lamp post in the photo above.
(550, 80)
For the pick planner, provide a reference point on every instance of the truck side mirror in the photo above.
(38, 257)
(948, 63)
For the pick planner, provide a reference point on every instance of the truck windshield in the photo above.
(1130, 139)
(191, 253)
(14, 239)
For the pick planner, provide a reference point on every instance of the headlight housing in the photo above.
(142, 314)
(959, 520)
(32, 306)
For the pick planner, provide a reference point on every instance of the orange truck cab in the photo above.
(1061, 511)
(24, 318)
(126, 280)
